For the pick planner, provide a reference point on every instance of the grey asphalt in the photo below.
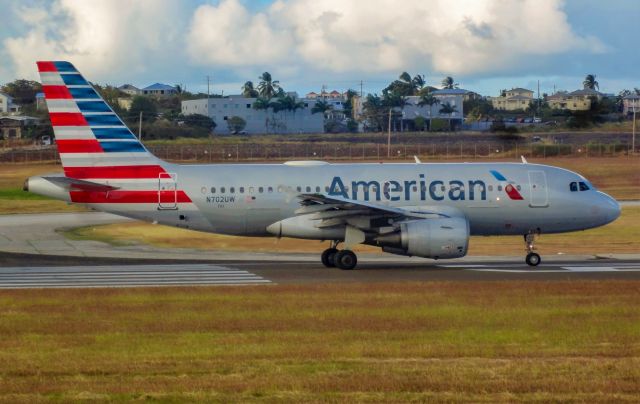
(33, 255)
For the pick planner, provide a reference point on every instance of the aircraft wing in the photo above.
(335, 210)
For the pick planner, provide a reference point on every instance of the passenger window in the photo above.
(308, 189)
(242, 190)
(261, 190)
(232, 190)
(573, 187)
(442, 188)
(499, 187)
(518, 187)
(299, 189)
(415, 189)
(270, 189)
(326, 189)
(583, 186)
(318, 189)
(280, 188)
(490, 188)
(213, 190)
(250, 190)
(222, 190)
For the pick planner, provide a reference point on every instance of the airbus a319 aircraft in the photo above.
(412, 209)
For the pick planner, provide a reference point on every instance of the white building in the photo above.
(6, 104)
(257, 121)
(129, 89)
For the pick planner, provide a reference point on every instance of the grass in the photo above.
(618, 237)
(574, 341)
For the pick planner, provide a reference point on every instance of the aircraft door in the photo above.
(167, 191)
(539, 190)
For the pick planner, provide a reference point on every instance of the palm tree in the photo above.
(448, 109)
(248, 90)
(268, 88)
(448, 83)
(418, 83)
(321, 106)
(590, 82)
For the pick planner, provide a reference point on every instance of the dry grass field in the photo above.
(566, 341)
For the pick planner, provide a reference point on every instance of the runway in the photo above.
(37, 272)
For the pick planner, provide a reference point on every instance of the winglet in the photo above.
(417, 160)
(524, 160)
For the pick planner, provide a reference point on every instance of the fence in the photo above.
(316, 151)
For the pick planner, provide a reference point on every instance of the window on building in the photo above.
(248, 106)
(225, 118)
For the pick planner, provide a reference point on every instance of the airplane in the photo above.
(413, 209)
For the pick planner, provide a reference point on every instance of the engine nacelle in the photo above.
(304, 226)
(429, 238)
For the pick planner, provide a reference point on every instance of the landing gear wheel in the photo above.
(328, 257)
(532, 259)
(345, 259)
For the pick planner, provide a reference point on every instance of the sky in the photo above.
(486, 45)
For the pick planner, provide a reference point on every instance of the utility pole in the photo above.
(538, 109)
(360, 88)
(389, 136)
(633, 137)
(140, 127)
(207, 87)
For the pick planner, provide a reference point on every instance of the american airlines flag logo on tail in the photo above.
(93, 143)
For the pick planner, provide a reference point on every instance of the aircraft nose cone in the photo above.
(610, 208)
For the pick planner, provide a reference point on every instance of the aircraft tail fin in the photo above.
(92, 140)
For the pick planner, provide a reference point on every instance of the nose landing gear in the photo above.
(343, 259)
(532, 258)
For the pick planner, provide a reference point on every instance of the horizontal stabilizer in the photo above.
(72, 184)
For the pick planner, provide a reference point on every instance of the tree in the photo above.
(348, 105)
(248, 90)
(261, 104)
(448, 83)
(418, 83)
(268, 88)
(590, 82)
(144, 105)
(374, 112)
(321, 106)
(448, 109)
(236, 124)
(22, 91)
(200, 121)
(428, 99)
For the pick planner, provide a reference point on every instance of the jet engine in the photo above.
(429, 238)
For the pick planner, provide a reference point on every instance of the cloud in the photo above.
(102, 37)
(457, 37)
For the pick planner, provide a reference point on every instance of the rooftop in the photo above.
(159, 86)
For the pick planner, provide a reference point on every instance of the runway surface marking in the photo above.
(125, 276)
(622, 267)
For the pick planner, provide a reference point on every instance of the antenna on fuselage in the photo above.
(524, 160)
(417, 160)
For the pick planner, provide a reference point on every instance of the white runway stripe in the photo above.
(126, 276)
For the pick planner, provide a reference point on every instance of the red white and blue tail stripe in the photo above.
(88, 133)
(96, 146)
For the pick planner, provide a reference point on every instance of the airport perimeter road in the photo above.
(42, 272)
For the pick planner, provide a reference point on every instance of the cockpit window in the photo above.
(573, 187)
(583, 186)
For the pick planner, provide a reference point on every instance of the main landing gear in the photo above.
(532, 258)
(343, 259)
